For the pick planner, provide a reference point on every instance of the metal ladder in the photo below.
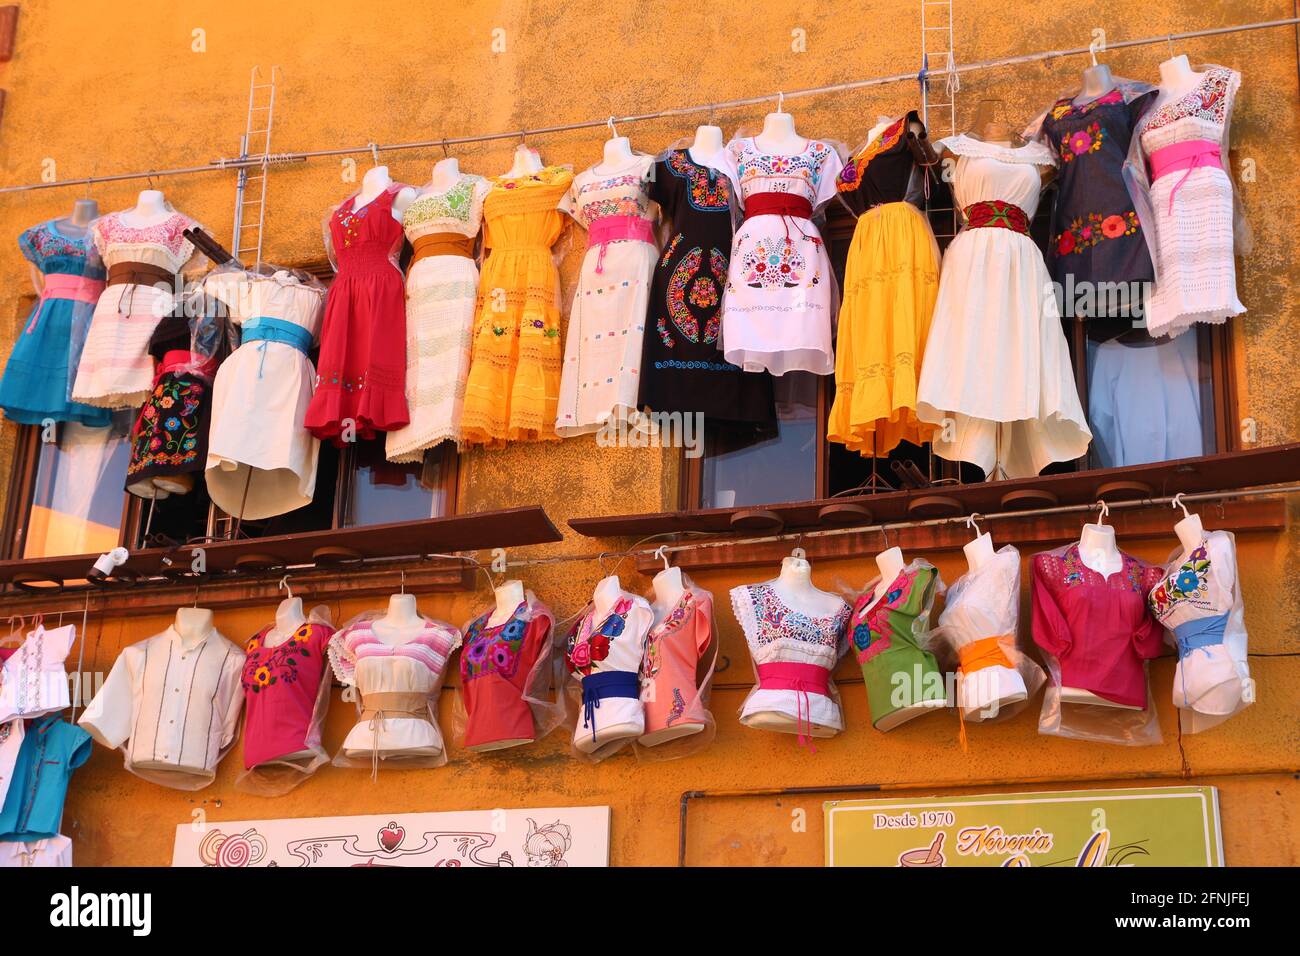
(936, 51)
(261, 116)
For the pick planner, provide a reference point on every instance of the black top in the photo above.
(881, 171)
(1096, 236)
(682, 369)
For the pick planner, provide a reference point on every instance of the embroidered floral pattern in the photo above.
(455, 204)
(587, 648)
(349, 221)
(1208, 101)
(773, 263)
(851, 174)
(1085, 232)
(1064, 107)
(706, 190)
(671, 624)
(1075, 572)
(266, 667)
(691, 285)
(166, 432)
(765, 172)
(51, 251)
(493, 650)
(1082, 141)
(869, 626)
(1191, 582)
(776, 621)
(997, 214)
(170, 233)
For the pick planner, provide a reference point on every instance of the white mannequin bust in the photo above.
(617, 155)
(402, 623)
(1177, 78)
(979, 551)
(795, 588)
(84, 212)
(1190, 531)
(669, 588)
(1097, 81)
(882, 124)
(526, 162)
(373, 185)
(1098, 551)
(193, 623)
(150, 209)
(779, 136)
(707, 144)
(508, 598)
(445, 173)
(891, 564)
(289, 617)
(606, 595)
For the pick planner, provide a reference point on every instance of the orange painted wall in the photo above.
(101, 90)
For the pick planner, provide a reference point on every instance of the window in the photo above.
(1113, 363)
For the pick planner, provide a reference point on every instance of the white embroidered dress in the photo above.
(1190, 221)
(116, 369)
(779, 306)
(996, 362)
(601, 375)
(261, 458)
(441, 292)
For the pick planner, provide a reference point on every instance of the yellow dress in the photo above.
(513, 387)
(891, 282)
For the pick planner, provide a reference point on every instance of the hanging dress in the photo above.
(996, 366)
(261, 458)
(602, 350)
(361, 374)
(1184, 149)
(1097, 237)
(169, 440)
(681, 367)
(37, 378)
(891, 281)
(115, 369)
(780, 299)
(514, 375)
(441, 290)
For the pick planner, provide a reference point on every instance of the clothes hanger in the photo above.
(973, 522)
(1178, 503)
(661, 553)
(1104, 510)
(15, 636)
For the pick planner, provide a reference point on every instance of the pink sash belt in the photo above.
(803, 679)
(60, 285)
(178, 360)
(615, 228)
(1187, 156)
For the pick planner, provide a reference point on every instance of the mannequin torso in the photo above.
(617, 155)
(707, 143)
(1190, 531)
(526, 162)
(668, 588)
(979, 552)
(445, 173)
(1177, 79)
(373, 185)
(1097, 81)
(779, 137)
(150, 210)
(1098, 551)
(891, 564)
(794, 586)
(193, 624)
(402, 623)
(288, 618)
(508, 598)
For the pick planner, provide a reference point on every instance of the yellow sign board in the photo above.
(1157, 826)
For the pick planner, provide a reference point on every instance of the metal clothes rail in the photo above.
(710, 108)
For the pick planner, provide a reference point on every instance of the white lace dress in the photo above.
(441, 292)
(1191, 219)
(996, 376)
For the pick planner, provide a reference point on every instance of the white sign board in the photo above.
(547, 836)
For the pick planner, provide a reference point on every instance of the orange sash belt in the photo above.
(441, 244)
(986, 652)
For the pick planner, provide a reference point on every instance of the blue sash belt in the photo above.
(1198, 635)
(264, 329)
(596, 687)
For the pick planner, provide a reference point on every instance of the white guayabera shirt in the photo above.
(173, 704)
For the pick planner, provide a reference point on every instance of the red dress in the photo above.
(361, 374)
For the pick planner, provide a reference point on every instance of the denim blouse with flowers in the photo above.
(1096, 235)
(496, 663)
(281, 684)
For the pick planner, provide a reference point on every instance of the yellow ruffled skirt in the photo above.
(891, 281)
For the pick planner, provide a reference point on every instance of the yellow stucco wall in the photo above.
(119, 89)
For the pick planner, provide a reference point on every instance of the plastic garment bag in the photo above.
(1199, 602)
(1097, 635)
(676, 675)
(397, 679)
(287, 685)
(512, 679)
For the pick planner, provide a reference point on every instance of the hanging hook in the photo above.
(884, 533)
(1104, 509)
(973, 522)
(712, 111)
(445, 154)
(1178, 503)
(374, 153)
(780, 101)
(612, 131)
(196, 596)
(1169, 39)
(661, 553)
(284, 585)
(403, 587)
(797, 551)
(523, 137)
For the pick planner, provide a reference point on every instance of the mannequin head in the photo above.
(708, 141)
